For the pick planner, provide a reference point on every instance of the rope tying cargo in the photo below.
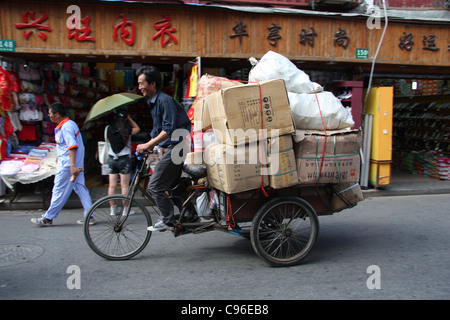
(263, 152)
(263, 147)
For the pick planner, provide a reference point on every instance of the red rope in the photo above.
(263, 145)
(230, 217)
(262, 128)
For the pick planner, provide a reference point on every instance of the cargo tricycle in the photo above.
(281, 224)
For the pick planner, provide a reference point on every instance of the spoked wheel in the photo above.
(120, 236)
(284, 231)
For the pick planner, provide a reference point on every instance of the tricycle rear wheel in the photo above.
(284, 230)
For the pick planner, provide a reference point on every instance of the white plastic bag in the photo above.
(307, 115)
(276, 66)
(202, 202)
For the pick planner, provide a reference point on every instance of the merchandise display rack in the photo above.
(422, 135)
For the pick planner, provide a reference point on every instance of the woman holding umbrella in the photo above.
(119, 135)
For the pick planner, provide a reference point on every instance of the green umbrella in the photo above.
(110, 103)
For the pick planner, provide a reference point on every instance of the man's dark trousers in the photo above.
(164, 177)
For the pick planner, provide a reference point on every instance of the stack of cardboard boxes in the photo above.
(256, 143)
(253, 129)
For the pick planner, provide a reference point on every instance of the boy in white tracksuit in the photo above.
(69, 174)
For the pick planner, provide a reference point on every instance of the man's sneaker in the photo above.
(42, 221)
(91, 221)
(160, 226)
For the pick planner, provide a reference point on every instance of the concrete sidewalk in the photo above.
(399, 188)
(410, 188)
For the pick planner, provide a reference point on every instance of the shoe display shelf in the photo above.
(422, 135)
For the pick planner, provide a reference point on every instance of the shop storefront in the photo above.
(80, 53)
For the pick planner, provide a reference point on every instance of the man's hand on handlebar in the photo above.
(140, 148)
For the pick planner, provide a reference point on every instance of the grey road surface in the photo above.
(384, 248)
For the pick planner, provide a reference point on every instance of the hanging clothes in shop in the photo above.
(9, 85)
(193, 81)
(186, 88)
(6, 131)
(29, 132)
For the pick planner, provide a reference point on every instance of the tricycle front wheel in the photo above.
(284, 231)
(118, 236)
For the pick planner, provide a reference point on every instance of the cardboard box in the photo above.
(351, 192)
(202, 138)
(234, 169)
(194, 159)
(207, 85)
(340, 163)
(236, 112)
(311, 142)
(335, 169)
(281, 166)
(202, 119)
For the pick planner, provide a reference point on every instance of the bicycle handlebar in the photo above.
(140, 156)
(156, 149)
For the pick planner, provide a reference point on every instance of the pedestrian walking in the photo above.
(120, 162)
(70, 167)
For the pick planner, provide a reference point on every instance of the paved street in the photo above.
(405, 238)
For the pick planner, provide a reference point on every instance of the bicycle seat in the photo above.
(196, 172)
(181, 184)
